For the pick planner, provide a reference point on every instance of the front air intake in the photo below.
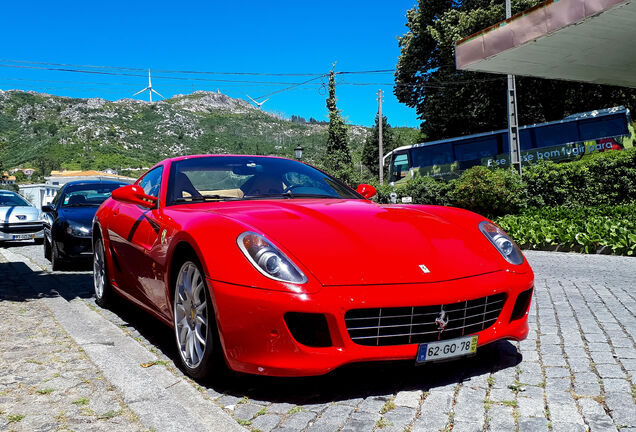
(419, 324)
(309, 329)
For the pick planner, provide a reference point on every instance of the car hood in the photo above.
(82, 215)
(17, 214)
(352, 242)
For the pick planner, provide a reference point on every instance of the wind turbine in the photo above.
(149, 88)
(258, 104)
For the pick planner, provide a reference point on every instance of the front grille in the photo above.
(21, 228)
(416, 324)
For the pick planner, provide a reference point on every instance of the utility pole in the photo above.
(513, 124)
(380, 136)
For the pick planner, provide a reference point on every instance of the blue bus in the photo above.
(567, 139)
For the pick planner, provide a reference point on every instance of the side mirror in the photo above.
(366, 190)
(133, 194)
(47, 208)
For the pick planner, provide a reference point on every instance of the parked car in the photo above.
(19, 219)
(68, 220)
(280, 269)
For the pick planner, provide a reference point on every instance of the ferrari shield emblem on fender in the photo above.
(163, 236)
(424, 268)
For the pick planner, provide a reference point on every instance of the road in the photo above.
(67, 363)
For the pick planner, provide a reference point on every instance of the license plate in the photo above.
(447, 349)
(23, 236)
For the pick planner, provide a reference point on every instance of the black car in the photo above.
(68, 220)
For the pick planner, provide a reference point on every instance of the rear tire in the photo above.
(104, 295)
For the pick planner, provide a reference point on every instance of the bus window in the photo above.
(399, 166)
(476, 149)
(592, 129)
(526, 138)
(555, 134)
(438, 154)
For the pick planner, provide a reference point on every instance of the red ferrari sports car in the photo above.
(280, 269)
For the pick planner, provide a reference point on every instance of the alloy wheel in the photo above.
(191, 315)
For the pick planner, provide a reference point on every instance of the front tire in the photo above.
(104, 295)
(47, 249)
(56, 260)
(194, 321)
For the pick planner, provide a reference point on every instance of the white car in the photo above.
(19, 220)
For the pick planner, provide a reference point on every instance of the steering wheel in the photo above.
(292, 187)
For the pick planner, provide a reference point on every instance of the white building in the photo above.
(63, 177)
(39, 194)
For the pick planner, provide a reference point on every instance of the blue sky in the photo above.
(292, 37)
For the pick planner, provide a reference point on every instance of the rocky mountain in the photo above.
(38, 129)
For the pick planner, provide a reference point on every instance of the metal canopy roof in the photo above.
(579, 40)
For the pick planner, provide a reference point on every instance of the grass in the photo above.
(14, 418)
(81, 401)
(510, 403)
(45, 391)
(261, 412)
(109, 415)
(388, 406)
(244, 422)
(382, 423)
(294, 410)
(155, 362)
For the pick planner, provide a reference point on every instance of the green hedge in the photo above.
(607, 178)
(583, 229)
(602, 178)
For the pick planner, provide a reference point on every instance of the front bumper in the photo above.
(21, 230)
(72, 247)
(256, 338)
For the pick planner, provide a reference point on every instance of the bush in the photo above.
(423, 190)
(490, 192)
(602, 178)
(583, 229)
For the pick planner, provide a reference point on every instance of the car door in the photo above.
(132, 232)
(49, 216)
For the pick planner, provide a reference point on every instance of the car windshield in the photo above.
(87, 194)
(222, 178)
(12, 199)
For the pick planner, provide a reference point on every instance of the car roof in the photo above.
(93, 182)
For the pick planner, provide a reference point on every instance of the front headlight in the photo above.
(504, 244)
(78, 230)
(268, 259)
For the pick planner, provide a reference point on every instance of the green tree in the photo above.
(370, 156)
(452, 102)
(337, 158)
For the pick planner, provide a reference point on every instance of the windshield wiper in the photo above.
(81, 205)
(204, 198)
(288, 195)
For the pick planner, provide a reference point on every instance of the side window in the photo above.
(56, 200)
(151, 183)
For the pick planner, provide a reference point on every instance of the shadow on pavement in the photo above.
(20, 283)
(369, 379)
(348, 382)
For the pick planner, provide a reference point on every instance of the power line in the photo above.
(171, 71)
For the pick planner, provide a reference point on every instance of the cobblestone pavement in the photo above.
(47, 383)
(575, 371)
